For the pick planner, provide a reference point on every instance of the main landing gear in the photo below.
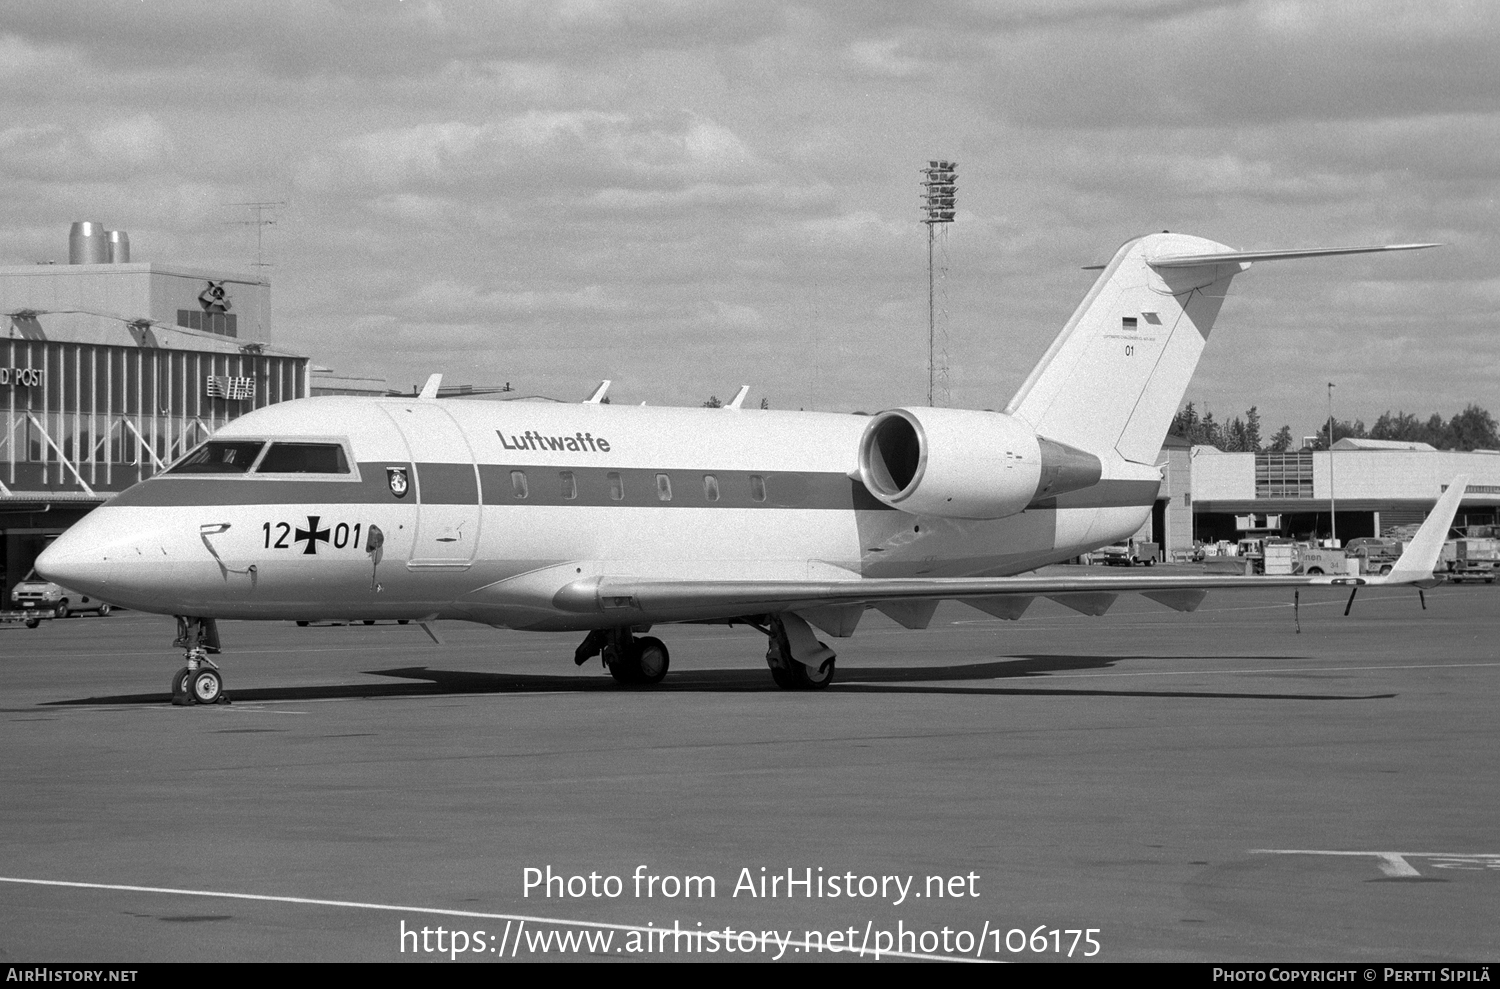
(631, 661)
(199, 682)
(798, 661)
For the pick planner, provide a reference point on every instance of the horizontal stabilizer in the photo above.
(1230, 257)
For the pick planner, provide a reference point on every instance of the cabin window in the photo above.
(757, 488)
(663, 487)
(220, 457)
(710, 487)
(518, 484)
(616, 486)
(304, 458)
(569, 485)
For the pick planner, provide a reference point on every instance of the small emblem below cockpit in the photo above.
(397, 477)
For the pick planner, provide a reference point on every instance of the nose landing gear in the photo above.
(199, 682)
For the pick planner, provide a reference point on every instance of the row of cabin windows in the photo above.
(569, 481)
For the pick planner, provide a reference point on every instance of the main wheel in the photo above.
(807, 678)
(619, 666)
(206, 685)
(104, 610)
(650, 659)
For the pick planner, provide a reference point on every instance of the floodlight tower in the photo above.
(939, 189)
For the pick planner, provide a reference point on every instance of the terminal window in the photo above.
(223, 323)
(1284, 475)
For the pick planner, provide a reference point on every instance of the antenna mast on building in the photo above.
(939, 190)
(260, 223)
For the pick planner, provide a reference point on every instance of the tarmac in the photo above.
(1215, 786)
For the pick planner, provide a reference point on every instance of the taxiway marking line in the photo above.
(1393, 864)
(1287, 669)
(443, 912)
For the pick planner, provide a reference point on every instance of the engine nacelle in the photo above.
(956, 463)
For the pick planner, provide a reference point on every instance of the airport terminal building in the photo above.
(1370, 487)
(110, 370)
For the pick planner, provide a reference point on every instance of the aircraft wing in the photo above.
(911, 600)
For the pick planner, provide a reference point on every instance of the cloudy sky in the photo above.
(684, 196)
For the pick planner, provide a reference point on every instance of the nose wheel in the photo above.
(204, 685)
(199, 682)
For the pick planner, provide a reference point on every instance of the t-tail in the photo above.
(1116, 374)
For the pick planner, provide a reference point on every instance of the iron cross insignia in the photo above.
(312, 535)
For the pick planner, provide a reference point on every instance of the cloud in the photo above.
(660, 191)
(302, 39)
(539, 152)
(117, 149)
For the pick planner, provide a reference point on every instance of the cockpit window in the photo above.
(304, 458)
(220, 457)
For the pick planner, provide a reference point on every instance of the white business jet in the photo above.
(612, 519)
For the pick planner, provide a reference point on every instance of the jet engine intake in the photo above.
(957, 463)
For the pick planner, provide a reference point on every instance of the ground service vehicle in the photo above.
(1375, 553)
(38, 598)
(1129, 553)
(1472, 558)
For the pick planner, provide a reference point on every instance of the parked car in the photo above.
(45, 597)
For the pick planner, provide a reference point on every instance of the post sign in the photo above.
(20, 377)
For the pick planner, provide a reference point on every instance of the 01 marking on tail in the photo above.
(527, 517)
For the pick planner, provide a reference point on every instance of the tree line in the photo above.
(1472, 429)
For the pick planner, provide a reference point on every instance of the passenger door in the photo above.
(446, 483)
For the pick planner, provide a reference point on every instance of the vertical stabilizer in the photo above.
(1115, 375)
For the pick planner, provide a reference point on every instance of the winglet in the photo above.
(1420, 557)
(599, 393)
(430, 389)
(739, 397)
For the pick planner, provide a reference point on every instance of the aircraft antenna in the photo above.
(939, 191)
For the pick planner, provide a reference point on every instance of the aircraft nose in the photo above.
(75, 561)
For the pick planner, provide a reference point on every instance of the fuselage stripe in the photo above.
(520, 485)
